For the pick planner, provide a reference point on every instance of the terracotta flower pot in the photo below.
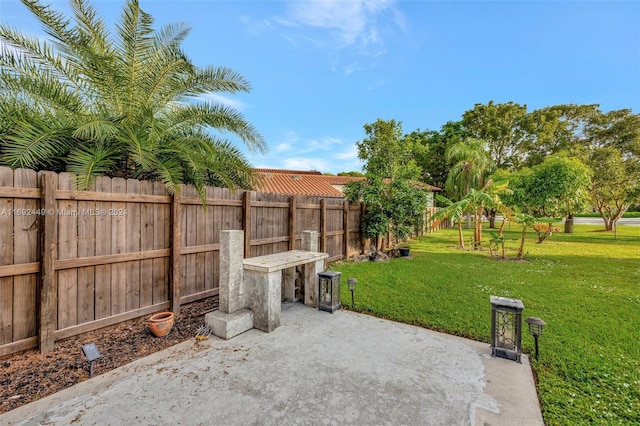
(161, 323)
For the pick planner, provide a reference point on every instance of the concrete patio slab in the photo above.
(316, 368)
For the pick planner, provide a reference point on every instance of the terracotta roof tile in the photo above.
(302, 182)
(296, 182)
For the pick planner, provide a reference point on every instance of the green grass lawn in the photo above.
(586, 286)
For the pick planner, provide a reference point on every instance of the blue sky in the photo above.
(320, 70)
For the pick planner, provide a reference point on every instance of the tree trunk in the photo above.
(522, 239)
(460, 236)
(610, 225)
(492, 219)
(504, 220)
(568, 224)
(477, 232)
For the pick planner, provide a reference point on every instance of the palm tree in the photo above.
(127, 104)
(454, 211)
(471, 164)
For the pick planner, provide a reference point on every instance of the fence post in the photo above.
(345, 223)
(246, 222)
(176, 258)
(323, 225)
(292, 222)
(49, 284)
(363, 240)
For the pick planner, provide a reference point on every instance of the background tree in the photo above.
(502, 127)
(558, 187)
(393, 206)
(430, 148)
(554, 129)
(126, 103)
(615, 184)
(351, 174)
(614, 156)
(385, 153)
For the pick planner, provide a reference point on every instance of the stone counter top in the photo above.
(278, 261)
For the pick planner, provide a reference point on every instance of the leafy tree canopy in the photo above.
(558, 187)
(351, 174)
(385, 153)
(502, 127)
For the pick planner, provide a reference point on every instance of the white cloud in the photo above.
(285, 146)
(302, 163)
(349, 154)
(358, 27)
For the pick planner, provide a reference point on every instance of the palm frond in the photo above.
(33, 144)
(221, 118)
(88, 162)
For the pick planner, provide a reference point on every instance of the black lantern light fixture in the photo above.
(506, 327)
(329, 291)
(535, 328)
(351, 282)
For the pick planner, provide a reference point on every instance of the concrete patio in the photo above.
(316, 368)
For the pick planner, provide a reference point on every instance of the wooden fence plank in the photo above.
(103, 247)
(48, 312)
(209, 275)
(246, 222)
(118, 246)
(176, 240)
(201, 238)
(67, 249)
(25, 238)
(345, 226)
(147, 226)
(161, 240)
(86, 248)
(6, 258)
(133, 230)
(189, 238)
(323, 225)
(292, 222)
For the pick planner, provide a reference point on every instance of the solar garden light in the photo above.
(535, 328)
(351, 282)
(506, 327)
(91, 352)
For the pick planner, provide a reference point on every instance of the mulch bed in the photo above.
(30, 375)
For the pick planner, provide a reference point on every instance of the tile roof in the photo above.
(301, 182)
(296, 182)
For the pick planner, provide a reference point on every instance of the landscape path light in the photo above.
(91, 352)
(351, 282)
(535, 328)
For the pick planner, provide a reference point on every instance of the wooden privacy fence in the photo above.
(74, 261)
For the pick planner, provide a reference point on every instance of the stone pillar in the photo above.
(264, 298)
(232, 317)
(311, 271)
(232, 295)
(290, 285)
(309, 240)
